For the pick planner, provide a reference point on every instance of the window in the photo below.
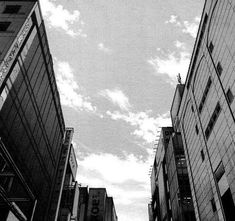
(213, 205)
(202, 155)
(219, 68)
(192, 108)
(212, 121)
(196, 128)
(211, 47)
(219, 172)
(229, 96)
(205, 93)
(228, 205)
(3, 96)
(12, 9)
(4, 25)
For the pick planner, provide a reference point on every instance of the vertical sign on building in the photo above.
(96, 204)
(73, 162)
(64, 159)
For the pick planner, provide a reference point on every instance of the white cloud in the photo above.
(187, 27)
(103, 48)
(69, 89)
(125, 179)
(120, 195)
(146, 126)
(171, 65)
(191, 28)
(173, 20)
(114, 169)
(180, 45)
(117, 97)
(59, 17)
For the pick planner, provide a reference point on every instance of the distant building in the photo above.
(82, 203)
(206, 114)
(100, 206)
(171, 195)
(92, 204)
(110, 212)
(178, 181)
(159, 191)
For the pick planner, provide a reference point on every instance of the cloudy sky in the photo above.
(116, 63)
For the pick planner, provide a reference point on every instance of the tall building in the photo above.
(178, 180)
(170, 188)
(159, 186)
(36, 167)
(205, 115)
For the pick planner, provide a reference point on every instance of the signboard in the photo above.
(96, 204)
(73, 162)
(57, 194)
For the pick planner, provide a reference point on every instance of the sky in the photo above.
(116, 64)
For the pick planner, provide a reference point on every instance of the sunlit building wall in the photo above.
(161, 208)
(178, 181)
(206, 114)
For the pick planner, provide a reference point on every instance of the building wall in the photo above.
(159, 184)
(82, 203)
(110, 212)
(31, 120)
(207, 112)
(154, 192)
(177, 176)
(96, 204)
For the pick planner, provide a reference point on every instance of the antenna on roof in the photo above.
(179, 78)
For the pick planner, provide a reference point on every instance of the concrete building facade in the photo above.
(100, 207)
(206, 114)
(170, 188)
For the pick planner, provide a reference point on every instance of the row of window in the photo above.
(12, 9)
(219, 69)
(212, 121)
(9, 9)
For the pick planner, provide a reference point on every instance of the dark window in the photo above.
(213, 205)
(228, 205)
(211, 47)
(202, 155)
(196, 128)
(192, 108)
(219, 68)
(200, 108)
(212, 121)
(4, 25)
(219, 172)
(205, 93)
(230, 96)
(12, 9)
